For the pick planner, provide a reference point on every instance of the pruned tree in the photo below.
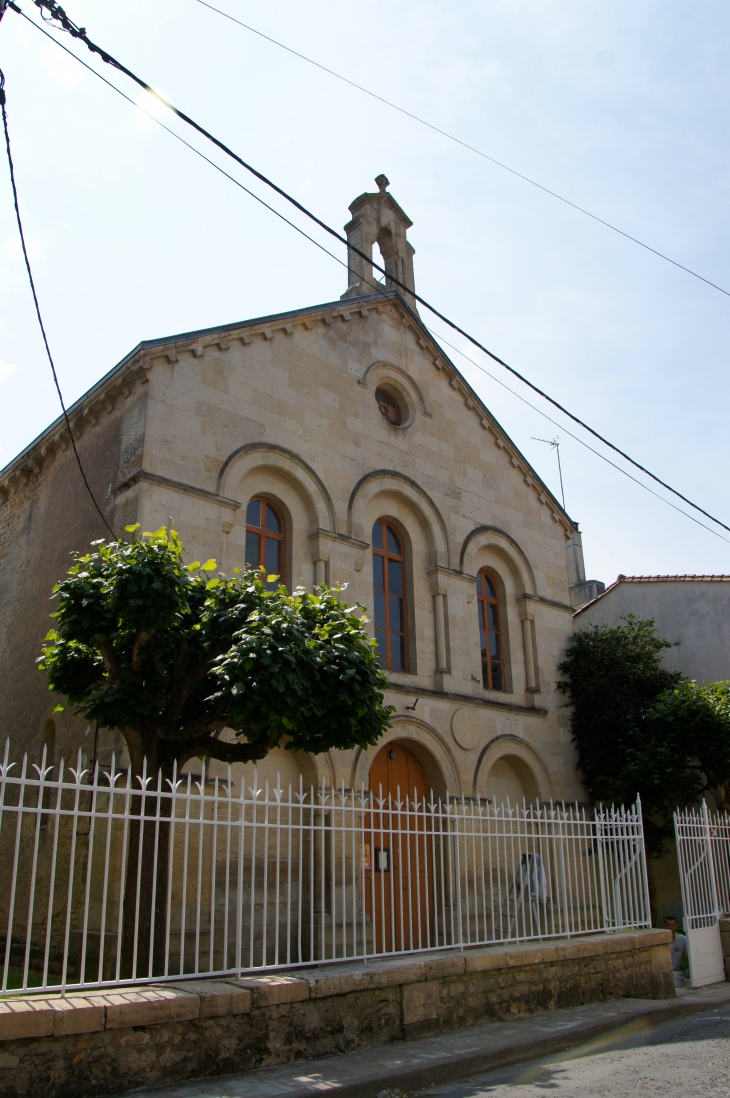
(171, 654)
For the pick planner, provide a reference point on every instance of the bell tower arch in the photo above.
(378, 223)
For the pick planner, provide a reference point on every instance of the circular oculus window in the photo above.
(388, 407)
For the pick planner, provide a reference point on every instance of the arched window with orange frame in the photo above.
(389, 596)
(265, 538)
(491, 641)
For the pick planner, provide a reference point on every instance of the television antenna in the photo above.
(554, 444)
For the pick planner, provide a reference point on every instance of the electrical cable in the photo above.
(466, 145)
(37, 305)
(375, 285)
(57, 13)
(187, 144)
(562, 427)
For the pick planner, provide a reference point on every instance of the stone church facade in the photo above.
(340, 443)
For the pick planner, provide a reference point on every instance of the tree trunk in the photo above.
(144, 916)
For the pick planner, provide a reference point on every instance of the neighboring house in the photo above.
(335, 443)
(694, 610)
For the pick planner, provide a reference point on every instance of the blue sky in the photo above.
(623, 108)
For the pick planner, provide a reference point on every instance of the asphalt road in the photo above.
(685, 1058)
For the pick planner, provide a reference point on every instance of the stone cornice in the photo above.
(549, 602)
(465, 699)
(133, 369)
(265, 328)
(142, 475)
(344, 539)
(85, 413)
(101, 398)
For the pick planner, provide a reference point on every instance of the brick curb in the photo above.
(432, 1061)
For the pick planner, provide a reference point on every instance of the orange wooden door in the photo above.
(398, 895)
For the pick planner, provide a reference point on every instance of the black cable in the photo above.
(582, 442)
(375, 285)
(57, 13)
(466, 145)
(182, 140)
(38, 308)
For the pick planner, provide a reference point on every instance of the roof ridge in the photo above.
(676, 577)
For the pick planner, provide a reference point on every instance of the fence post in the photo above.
(563, 874)
(711, 860)
(598, 816)
(458, 873)
(644, 864)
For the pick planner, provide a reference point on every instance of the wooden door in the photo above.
(398, 872)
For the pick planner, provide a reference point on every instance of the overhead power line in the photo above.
(37, 305)
(58, 14)
(466, 145)
(441, 339)
(376, 286)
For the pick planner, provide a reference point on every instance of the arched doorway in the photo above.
(398, 888)
(511, 781)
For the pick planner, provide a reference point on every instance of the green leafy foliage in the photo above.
(170, 654)
(640, 728)
(695, 718)
(613, 674)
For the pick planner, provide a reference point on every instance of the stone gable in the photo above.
(188, 429)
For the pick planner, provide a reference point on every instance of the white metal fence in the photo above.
(703, 853)
(103, 883)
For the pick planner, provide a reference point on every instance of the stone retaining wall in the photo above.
(99, 1043)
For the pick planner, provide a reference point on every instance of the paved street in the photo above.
(684, 1058)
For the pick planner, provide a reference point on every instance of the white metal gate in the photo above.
(703, 852)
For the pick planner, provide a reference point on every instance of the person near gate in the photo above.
(678, 947)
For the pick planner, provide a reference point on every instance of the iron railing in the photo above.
(703, 852)
(109, 880)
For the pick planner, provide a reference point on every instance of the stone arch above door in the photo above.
(429, 747)
(279, 767)
(522, 759)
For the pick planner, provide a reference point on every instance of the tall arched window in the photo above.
(265, 537)
(389, 590)
(490, 632)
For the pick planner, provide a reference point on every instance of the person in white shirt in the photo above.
(678, 947)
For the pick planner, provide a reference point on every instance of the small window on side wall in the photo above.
(490, 632)
(265, 538)
(389, 596)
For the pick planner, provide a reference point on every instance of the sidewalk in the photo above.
(411, 1065)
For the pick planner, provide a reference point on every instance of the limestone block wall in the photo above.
(100, 1042)
(45, 512)
(288, 411)
(187, 429)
